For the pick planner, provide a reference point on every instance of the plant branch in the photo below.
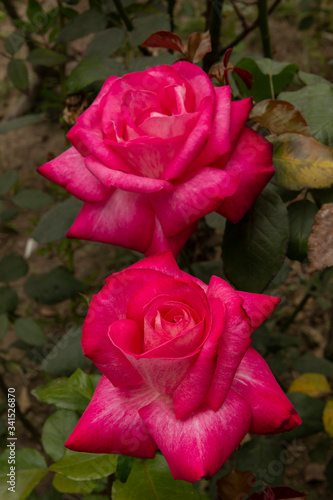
(239, 14)
(297, 309)
(123, 14)
(215, 21)
(264, 29)
(250, 28)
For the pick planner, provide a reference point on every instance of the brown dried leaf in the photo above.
(198, 45)
(320, 242)
(235, 484)
(280, 117)
(166, 40)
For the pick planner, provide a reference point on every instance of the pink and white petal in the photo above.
(163, 262)
(162, 243)
(105, 308)
(105, 88)
(169, 126)
(197, 79)
(112, 424)
(252, 158)
(69, 171)
(198, 445)
(123, 218)
(240, 111)
(192, 198)
(218, 142)
(272, 411)
(258, 307)
(123, 180)
(233, 343)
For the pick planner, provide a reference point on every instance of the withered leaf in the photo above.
(235, 485)
(280, 117)
(166, 40)
(198, 45)
(320, 242)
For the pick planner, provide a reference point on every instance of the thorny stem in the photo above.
(215, 21)
(264, 29)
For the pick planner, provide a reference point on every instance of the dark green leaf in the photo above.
(316, 104)
(310, 79)
(146, 62)
(124, 467)
(35, 13)
(56, 222)
(8, 299)
(85, 466)
(92, 69)
(7, 181)
(33, 199)
(319, 452)
(262, 457)
(67, 355)
(311, 412)
(301, 217)
(270, 77)
(14, 42)
(253, 250)
(53, 287)
(56, 431)
(18, 123)
(106, 42)
(46, 57)
(311, 364)
(206, 269)
(82, 25)
(18, 74)
(329, 474)
(323, 196)
(215, 220)
(281, 275)
(12, 267)
(29, 331)
(66, 485)
(4, 323)
(73, 393)
(145, 26)
(8, 215)
(152, 480)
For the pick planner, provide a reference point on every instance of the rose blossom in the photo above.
(155, 152)
(178, 370)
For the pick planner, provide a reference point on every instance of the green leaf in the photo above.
(67, 355)
(92, 69)
(311, 364)
(35, 13)
(302, 162)
(56, 431)
(316, 104)
(215, 220)
(33, 199)
(18, 123)
(73, 393)
(7, 181)
(82, 25)
(255, 455)
(66, 485)
(301, 217)
(13, 267)
(124, 467)
(152, 480)
(30, 468)
(145, 26)
(323, 196)
(310, 78)
(14, 42)
(29, 331)
(56, 222)
(46, 57)
(85, 466)
(18, 74)
(311, 412)
(253, 250)
(4, 323)
(106, 42)
(320, 451)
(8, 299)
(269, 76)
(53, 287)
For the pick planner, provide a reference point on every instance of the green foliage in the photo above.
(18, 74)
(17, 123)
(82, 25)
(4, 323)
(8, 299)
(7, 181)
(301, 217)
(29, 331)
(56, 431)
(253, 250)
(85, 466)
(143, 27)
(151, 480)
(262, 456)
(32, 199)
(312, 364)
(12, 267)
(53, 287)
(66, 485)
(311, 412)
(46, 57)
(106, 43)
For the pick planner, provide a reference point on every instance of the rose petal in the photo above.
(252, 158)
(169, 126)
(233, 343)
(69, 171)
(163, 262)
(258, 307)
(123, 218)
(240, 111)
(199, 444)
(112, 424)
(193, 198)
(161, 242)
(272, 410)
(123, 180)
(105, 88)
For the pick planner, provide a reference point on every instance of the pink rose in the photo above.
(154, 153)
(178, 370)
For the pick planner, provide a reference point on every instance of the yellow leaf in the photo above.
(312, 384)
(302, 162)
(328, 417)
